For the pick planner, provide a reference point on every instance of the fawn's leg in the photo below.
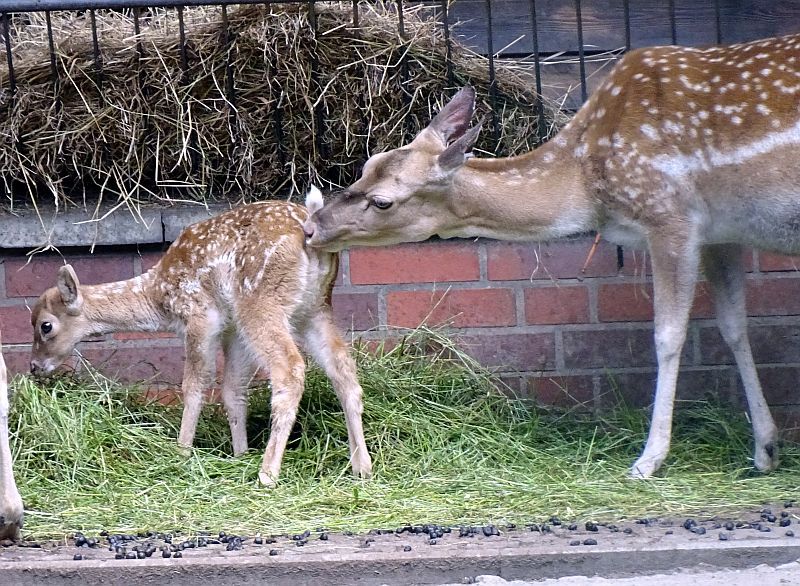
(675, 261)
(11, 511)
(321, 339)
(725, 273)
(237, 374)
(199, 371)
(268, 337)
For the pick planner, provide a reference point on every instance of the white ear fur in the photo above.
(313, 200)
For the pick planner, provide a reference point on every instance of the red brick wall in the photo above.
(524, 309)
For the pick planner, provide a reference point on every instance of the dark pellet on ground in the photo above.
(788, 504)
(627, 530)
(130, 556)
(784, 514)
(141, 555)
(555, 521)
(771, 518)
(273, 552)
(668, 532)
(575, 542)
(698, 530)
(103, 533)
(350, 533)
(406, 548)
(119, 556)
(490, 530)
(166, 554)
(77, 557)
(723, 536)
(729, 526)
(177, 554)
(572, 527)
(590, 541)
(785, 522)
(590, 526)
(689, 523)
(510, 526)
(433, 542)
(613, 528)
(323, 537)
(715, 525)
(789, 533)
(763, 528)
(258, 540)
(301, 543)
(235, 543)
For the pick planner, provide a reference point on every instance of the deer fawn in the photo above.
(689, 152)
(245, 280)
(11, 512)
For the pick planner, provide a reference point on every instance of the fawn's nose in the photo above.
(309, 228)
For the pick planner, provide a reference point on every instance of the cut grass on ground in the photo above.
(447, 447)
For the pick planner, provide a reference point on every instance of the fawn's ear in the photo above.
(69, 288)
(314, 200)
(453, 119)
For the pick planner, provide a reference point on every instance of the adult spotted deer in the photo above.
(690, 152)
(243, 280)
(10, 501)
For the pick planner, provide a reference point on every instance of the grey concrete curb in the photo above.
(419, 567)
(106, 227)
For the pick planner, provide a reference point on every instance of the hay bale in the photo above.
(142, 128)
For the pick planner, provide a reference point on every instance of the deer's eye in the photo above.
(46, 327)
(382, 204)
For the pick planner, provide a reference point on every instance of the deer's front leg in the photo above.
(323, 342)
(675, 259)
(198, 373)
(11, 512)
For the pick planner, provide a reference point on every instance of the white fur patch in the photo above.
(313, 200)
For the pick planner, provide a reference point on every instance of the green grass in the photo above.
(447, 448)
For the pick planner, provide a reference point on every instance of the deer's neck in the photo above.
(122, 306)
(537, 196)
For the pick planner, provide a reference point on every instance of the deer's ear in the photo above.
(457, 153)
(69, 289)
(453, 120)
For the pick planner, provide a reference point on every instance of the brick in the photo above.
(634, 302)
(637, 389)
(769, 261)
(611, 348)
(779, 384)
(129, 364)
(560, 259)
(788, 422)
(18, 360)
(459, 307)
(149, 260)
(124, 336)
(767, 296)
(771, 344)
(15, 325)
(561, 391)
(355, 311)
(415, 263)
(556, 305)
(512, 352)
(32, 279)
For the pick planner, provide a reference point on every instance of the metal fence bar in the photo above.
(448, 47)
(52, 53)
(41, 5)
(98, 58)
(626, 12)
(581, 56)
(492, 78)
(182, 40)
(12, 80)
(672, 25)
(541, 126)
(718, 21)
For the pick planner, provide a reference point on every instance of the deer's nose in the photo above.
(309, 228)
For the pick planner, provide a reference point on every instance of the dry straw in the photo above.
(140, 125)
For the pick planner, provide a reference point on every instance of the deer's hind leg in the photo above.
(199, 370)
(238, 371)
(725, 272)
(323, 342)
(267, 336)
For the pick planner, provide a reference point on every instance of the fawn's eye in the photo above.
(382, 204)
(46, 327)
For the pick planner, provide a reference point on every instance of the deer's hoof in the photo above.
(267, 480)
(767, 457)
(11, 519)
(645, 467)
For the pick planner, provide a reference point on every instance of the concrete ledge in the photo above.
(423, 566)
(27, 229)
